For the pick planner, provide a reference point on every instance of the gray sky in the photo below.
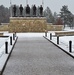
(54, 5)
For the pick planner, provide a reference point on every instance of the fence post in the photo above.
(50, 36)
(46, 33)
(6, 47)
(10, 40)
(57, 39)
(70, 46)
(13, 36)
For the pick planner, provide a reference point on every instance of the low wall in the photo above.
(4, 28)
(27, 24)
(51, 27)
(64, 33)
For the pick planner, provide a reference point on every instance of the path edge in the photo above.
(1, 72)
(59, 47)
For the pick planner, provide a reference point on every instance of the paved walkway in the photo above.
(37, 56)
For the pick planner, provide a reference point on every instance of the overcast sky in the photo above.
(54, 5)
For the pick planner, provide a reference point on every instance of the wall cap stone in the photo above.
(27, 18)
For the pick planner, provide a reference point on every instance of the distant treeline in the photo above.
(64, 17)
(4, 14)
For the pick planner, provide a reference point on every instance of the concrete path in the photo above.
(37, 56)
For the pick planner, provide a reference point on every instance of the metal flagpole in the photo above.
(26, 2)
(10, 8)
(43, 6)
(43, 3)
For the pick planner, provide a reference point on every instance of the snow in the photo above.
(2, 61)
(63, 42)
(21, 35)
(3, 40)
(3, 55)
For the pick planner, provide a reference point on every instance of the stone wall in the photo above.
(27, 24)
(51, 27)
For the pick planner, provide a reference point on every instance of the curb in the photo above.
(59, 47)
(1, 72)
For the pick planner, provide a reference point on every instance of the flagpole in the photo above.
(43, 3)
(10, 8)
(26, 2)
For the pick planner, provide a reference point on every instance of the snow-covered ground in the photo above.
(3, 55)
(22, 35)
(2, 42)
(63, 40)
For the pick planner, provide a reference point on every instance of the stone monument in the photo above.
(27, 24)
(27, 11)
(34, 10)
(21, 10)
(41, 11)
(14, 11)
